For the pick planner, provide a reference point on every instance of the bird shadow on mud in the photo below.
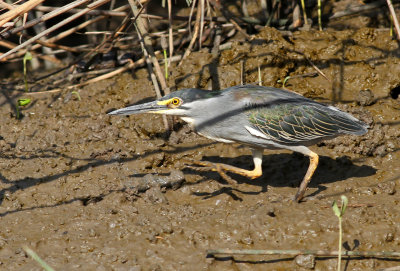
(87, 163)
(283, 170)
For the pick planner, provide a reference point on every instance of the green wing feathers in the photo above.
(295, 123)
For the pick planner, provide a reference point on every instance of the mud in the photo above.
(92, 192)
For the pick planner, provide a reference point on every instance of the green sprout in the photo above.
(34, 256)
(164, 46)
(339, 213)
(77, 94)
(21, 103)
(27, 56)
(391, 26)
(284, 81)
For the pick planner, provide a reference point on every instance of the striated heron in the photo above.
(257, 117)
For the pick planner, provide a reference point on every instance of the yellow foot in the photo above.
(222, 168)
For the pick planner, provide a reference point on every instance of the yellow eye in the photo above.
(176, 101)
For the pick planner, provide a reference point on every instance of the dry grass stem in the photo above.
(149, 55)
(357, 9)
(201, 22)
(295, 252)
(94, 12)
(56, 26)
(18, 10)
(195, 34)
(148, 47)
(317, 69)
(45, 17)
(10, 45)
(170, 32)
(394, 17)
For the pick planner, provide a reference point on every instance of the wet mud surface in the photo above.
(89, 191)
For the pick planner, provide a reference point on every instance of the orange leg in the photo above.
(221, 168)
(314, 158)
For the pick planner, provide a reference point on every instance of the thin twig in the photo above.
(66, 33)
(228, 17)
(295, 252)
(395, 21)
(195, 34)
(201, 22)
(237, 26)
(94, 12)
(6, 5)
(184, 18)
(45, 17)
(131, 65)
(319, 16)
(57, 46)
(80, 26)
(190, 17)
(303, 6)
(148, 52)
(10, 45)
(106, 76)
(56, 26)
(170, 33)
(148, 46)
(21, 9)
(357, 9)
(317, 69)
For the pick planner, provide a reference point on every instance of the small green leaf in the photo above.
(36, 257)
(285, 80)
(345, 201)
(335, 209)
(23, 102)
(28, 56)
(77, 94)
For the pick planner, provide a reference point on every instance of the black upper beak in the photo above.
(140, 108)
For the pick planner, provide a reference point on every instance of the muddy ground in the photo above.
(87, 191)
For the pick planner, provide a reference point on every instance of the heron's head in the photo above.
(179, 103)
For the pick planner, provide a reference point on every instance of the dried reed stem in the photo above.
(317, 69)
(149, 48)
(395, 21)
(56, 26)
(45, 17)
(150, 57)
(357, 9)
(236, 25)
(303, 6)
(295, 252)
(195, 34)
(319, 15)
(94, 12)
(201, 22)
(170, 33)
(10, 45)
(21, 9)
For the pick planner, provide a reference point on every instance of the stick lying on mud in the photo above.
(295, 252)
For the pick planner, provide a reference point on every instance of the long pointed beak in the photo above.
(151, 107)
